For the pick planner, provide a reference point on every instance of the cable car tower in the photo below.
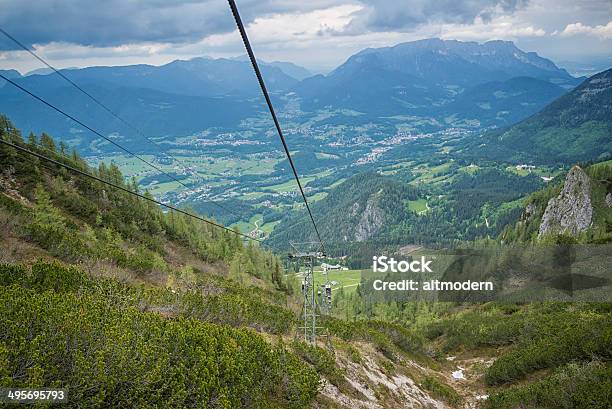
(307, 254)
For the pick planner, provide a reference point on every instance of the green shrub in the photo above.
(12, 205)
(55, 276)
(479, 327)
(386, 337)
(12, 274)
(322, 360)
(405, 339)
(554, 340)
(354, 354)
(573, 386)
(237, 310)
(143, 260)
(109, 356)
(43, 276)
(442, 391)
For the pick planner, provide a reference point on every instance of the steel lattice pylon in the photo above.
(308, 253)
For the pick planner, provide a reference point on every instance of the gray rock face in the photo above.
(609, 200)
(529, 212)
(570, 212)
(371, 220)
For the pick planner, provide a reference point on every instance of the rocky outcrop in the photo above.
(368, 379)
(371, 220)
(529, 212)
(609, 200)
(571, 212)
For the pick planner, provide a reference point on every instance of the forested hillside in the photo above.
(528, 354)
(357, 210)
(597, 186)
(575, 127)
(382, 210)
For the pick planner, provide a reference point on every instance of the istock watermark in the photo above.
(384, 264)
(427, 280)
(492, 272)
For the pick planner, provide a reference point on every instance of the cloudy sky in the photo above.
(319, 34)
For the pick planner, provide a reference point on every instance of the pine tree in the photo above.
(47, 142)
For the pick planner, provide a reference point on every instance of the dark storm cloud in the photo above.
(116, 22)
(385, 15)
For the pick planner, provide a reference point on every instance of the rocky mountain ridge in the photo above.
(578, 209)
(571, 212)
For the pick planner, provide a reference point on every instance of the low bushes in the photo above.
(230, 304)
(442, 391)
(572, 386)
(237, 311)
(59, 329)
(386, 337)
(321, 359)
(546, 335)
(478, 327)
(555, 339)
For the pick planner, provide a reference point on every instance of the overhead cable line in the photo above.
(67, 115)
(116, 186)
(247, 45)
(111, 112)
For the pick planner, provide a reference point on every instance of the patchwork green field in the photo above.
(418, 206)
(346, 279)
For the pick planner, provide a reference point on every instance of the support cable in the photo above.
(264, 90)
(67, 115)
(110, 111)
(116, 186)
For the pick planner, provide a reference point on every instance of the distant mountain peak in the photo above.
(495, 59)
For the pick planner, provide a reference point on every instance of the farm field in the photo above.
(418, 206)
(347, 279)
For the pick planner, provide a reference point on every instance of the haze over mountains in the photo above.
(200, 76)
(447, 83)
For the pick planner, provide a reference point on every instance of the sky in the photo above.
(317, 34)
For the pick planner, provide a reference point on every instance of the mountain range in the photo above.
(200, 76)
(452, 83)
(422, 77)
